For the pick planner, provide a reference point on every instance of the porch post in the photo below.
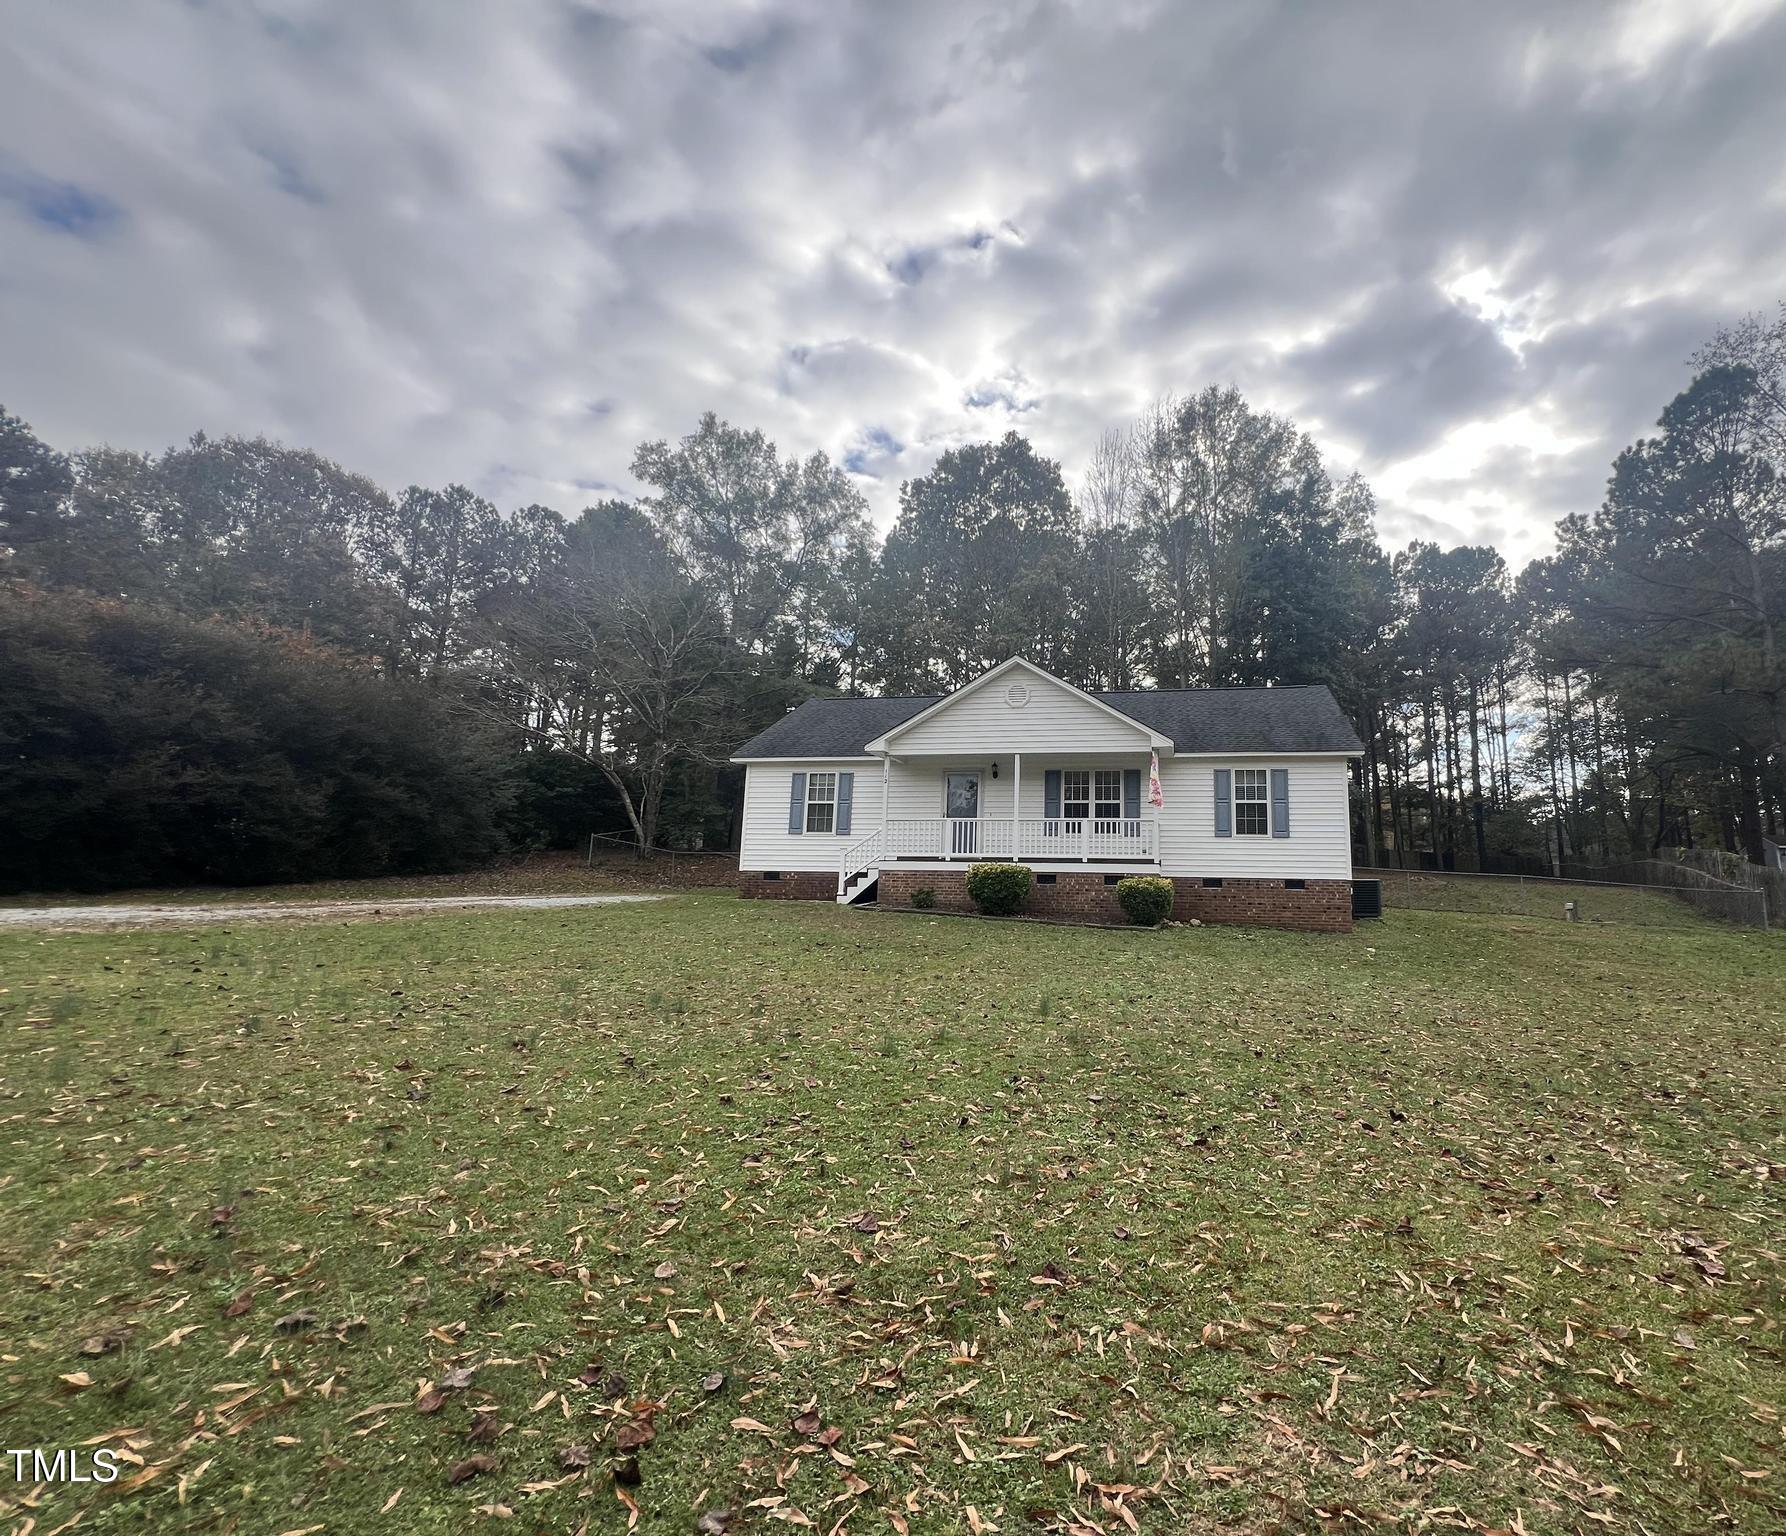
(1016, 803)
(886, 768)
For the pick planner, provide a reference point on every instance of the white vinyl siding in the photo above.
(764, 841)
(1318, 848)
(983, 723)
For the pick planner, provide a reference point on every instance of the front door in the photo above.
(961, 805)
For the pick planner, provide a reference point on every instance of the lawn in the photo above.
(860, 1222)
(554, 873)
(1509, 896)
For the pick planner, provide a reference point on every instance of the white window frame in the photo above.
(1262, 799)
(1100, 801)
(1067, 799)
(815, 801)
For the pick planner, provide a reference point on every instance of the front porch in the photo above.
(1050, 816)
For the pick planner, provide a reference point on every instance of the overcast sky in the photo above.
(1469, 247)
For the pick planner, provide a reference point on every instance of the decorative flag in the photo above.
(1156, 796)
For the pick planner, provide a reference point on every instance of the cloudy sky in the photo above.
(1469, 246)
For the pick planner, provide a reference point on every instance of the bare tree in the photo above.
(619, 658)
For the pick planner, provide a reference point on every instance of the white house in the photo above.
(843, 797)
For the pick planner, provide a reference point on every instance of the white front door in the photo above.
(961, 807)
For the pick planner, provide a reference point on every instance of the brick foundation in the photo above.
(1322, 906)
(794, 885)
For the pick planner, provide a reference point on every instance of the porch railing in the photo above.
(1048, 839)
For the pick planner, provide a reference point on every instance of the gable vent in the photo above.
(1017, 695)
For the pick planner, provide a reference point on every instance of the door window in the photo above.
(962, 798)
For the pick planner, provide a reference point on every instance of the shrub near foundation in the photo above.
(998, 889)
(1145, 898)
(923, 898)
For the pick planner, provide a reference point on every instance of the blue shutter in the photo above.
(846, 796)
(1280, 802)
(1051, 793)
(797, 805)
(1131, 794)
(1224, 802)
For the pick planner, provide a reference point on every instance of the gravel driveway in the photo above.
(146, 916)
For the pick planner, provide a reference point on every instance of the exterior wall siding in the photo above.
(1319, 846)
(764, 841)
(1053, 714)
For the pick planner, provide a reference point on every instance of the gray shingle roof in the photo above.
(1301, 719)
(831, 727)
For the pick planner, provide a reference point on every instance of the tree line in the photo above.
(238, 660)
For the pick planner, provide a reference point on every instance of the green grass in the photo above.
(553, 873)
(1508, 896)
(1452, 1223)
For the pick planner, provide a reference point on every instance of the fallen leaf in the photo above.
(634, 1434)
(471, 1467)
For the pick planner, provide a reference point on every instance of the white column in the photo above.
(1016, 801)
(886, 769)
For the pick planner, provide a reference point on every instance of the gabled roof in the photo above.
(832, 727)
(1196, 720)
(1008, 665)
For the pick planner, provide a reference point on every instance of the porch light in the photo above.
(995, 768)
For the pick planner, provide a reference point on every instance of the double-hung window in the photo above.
(1252, 804)
(1107, 792)
(1075, 794)
(821, 802)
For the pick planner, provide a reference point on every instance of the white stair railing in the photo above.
(857, 858)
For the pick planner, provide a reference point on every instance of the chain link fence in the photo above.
(620, 859)
(1647, 893)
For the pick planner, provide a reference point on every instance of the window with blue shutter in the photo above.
(797, 805)
(846, 799)
(1131, 793)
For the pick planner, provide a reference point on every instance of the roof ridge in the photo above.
(873, 698)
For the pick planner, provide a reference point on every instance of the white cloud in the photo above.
(438, 241)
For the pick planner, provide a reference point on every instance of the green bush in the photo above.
(998, 889)
(923, 898)
(1146, 898)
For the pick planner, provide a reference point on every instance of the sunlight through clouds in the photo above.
(428, 239)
